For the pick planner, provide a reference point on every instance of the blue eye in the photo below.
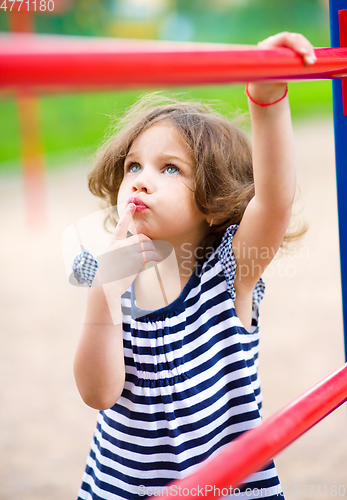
(173, 167)
(134, 168)
(129, 168)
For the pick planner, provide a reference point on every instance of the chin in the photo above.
(138, 227)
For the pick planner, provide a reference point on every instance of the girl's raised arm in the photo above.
(266, 217)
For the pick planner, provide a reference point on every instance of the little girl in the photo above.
(169, 349)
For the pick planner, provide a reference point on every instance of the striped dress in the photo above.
(191, 387)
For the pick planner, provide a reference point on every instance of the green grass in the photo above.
(77, 122)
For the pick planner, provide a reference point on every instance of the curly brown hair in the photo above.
(220, 152)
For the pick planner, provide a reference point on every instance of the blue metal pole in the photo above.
(340, 132)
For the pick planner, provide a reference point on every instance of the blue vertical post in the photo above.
(340, 132)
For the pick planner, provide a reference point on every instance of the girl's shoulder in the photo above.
(226, 257)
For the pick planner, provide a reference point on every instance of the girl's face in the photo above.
(158, 173)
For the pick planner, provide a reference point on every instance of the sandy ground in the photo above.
(46, 429)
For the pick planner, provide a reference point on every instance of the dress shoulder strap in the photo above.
(229, 265)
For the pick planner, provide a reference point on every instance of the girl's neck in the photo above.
(159, 286)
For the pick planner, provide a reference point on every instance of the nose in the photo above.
(143, 182)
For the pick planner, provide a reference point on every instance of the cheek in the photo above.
(121, 200)
(187, 198)
(184, 206)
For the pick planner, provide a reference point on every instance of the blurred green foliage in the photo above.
(77, 122)
(252, 20)
(234, 21)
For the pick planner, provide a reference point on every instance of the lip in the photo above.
(139, 204)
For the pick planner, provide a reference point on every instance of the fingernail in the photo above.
(303, 50)
(310, 59)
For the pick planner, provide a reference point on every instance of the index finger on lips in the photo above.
(120, 233)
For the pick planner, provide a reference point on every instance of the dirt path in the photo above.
(45, 427)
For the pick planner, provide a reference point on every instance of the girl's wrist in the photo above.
(264, 94)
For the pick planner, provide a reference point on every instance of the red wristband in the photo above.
(263, 104)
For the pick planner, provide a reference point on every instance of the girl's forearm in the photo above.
(273, 149)
(99, 360)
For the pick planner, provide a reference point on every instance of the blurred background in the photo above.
(45, 428)
(234, 21)
(66, 119)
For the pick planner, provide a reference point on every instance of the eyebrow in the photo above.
(166, 155)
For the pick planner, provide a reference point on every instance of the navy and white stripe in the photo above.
(191, 387)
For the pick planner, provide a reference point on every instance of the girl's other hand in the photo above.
(126, 257)
(294, 41)
(269, 92)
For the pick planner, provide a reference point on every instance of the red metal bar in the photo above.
(32, 158)
(343, 43)
(21, 21)
(252, 450)
(46, 61)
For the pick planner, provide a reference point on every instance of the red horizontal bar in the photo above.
(253, 449)
(343, 43)
(51, 61)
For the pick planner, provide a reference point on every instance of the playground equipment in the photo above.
(33, 164)
(55, 62)
(253, 449)
(46, 63)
